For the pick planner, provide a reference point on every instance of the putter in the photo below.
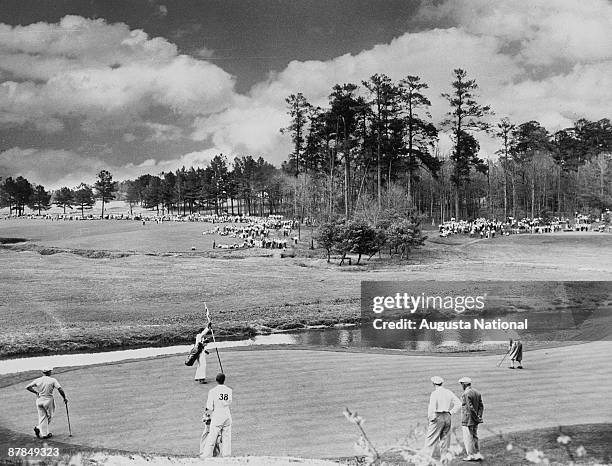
(68, 416)
(502, 360)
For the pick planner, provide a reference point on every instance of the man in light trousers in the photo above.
(442, 404)
(45, 403)
(217, 405)
(471, 415)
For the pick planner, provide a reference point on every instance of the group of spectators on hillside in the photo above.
(274, 221)
(256, 233)
(486, 228)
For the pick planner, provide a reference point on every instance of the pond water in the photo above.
(549, 326)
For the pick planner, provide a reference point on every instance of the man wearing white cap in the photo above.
(45, 403)
(471, 415)
(442, 404)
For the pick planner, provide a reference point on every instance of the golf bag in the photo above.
(194, 354)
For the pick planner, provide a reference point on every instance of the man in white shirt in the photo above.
(442, 404)
(45, 403)
(217, 406)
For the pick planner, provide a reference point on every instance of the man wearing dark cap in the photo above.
(442, 404)
(217, 406)
(471, 415)
(45, 403)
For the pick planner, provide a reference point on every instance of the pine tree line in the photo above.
(375, 148)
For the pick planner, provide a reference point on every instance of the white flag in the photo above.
(207, 313)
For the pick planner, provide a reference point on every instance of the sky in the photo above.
(149, 86)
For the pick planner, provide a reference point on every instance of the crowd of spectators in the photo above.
(487, 228)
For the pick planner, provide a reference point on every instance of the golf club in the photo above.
(68, 416)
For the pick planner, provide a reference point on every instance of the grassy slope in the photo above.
(290, 401)
(65, 302)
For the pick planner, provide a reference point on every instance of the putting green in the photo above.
(290, 402)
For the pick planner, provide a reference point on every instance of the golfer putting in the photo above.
(516, 354)
(45, 403)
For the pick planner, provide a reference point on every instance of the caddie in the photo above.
(45, 403)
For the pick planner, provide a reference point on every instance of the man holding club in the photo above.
(45, 403)
(516, 354)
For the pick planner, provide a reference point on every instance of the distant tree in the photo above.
(298, 109)
(345, 105)
(105, 187)
(504, 132)
(358, 237)
(382, 97)
(531, 142)
(40, 199)
(132, 194)
(18, 192)
(63, 197)
(4, 197)
(218, 180)
(84, 197)
(328, 235)
(421, 134)
(152, 193)
(168, 190)
(465, 116)
(403, 235)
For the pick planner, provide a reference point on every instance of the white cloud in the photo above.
(56, 168)
(249, 127)
(101, 72)
(155, 167)
(161, 132)
(548, 30)
(51, 168)
(544, 60)
(548, 60)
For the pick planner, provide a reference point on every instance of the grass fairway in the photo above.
(153, 296)
(289, 402)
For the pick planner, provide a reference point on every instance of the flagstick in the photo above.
(213, 337)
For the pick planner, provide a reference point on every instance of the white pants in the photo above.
(438, 434)
(200, 372)
(46, 408)
(470, 439)
(223, 428)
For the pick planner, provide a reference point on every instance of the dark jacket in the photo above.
(516, 351)
(471, 407)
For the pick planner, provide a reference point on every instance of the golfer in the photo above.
(217, 406)
(516, 354)
(200, 373)
(471, 415)
(442, 404)
(45, 403)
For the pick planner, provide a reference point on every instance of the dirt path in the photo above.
(290, 402)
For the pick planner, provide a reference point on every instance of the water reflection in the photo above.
(546, 326)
